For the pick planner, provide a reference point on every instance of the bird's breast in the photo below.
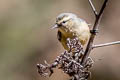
(66, 33)
(63, 36)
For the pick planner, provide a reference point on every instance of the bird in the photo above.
(71, 26)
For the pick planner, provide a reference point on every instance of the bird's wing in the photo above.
(81, 20)
(59, 35)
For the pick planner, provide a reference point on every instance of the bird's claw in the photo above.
(94, 31)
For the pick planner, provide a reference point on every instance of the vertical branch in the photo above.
(94, 30)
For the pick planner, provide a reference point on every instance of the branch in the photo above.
(69, 62)
(93, 8)
(93, 34)
(105, 44)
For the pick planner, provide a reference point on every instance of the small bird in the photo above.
(70, 26)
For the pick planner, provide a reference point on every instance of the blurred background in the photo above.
(26, 37)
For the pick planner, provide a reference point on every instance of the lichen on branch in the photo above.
(69, 62)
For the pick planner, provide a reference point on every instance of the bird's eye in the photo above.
(64, 21)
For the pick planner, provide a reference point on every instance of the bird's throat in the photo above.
(66, 32)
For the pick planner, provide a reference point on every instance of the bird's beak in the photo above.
(55, 26)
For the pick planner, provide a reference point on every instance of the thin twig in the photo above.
(93, 8)
(95, 27)
(105, 44)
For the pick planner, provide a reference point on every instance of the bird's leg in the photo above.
(94, 31)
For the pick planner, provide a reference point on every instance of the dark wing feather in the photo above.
(59, 35)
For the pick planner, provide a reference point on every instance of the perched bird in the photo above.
(70, 26)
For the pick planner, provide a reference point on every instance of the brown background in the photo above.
(26, 38)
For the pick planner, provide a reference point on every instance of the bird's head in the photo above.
(64, 20)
